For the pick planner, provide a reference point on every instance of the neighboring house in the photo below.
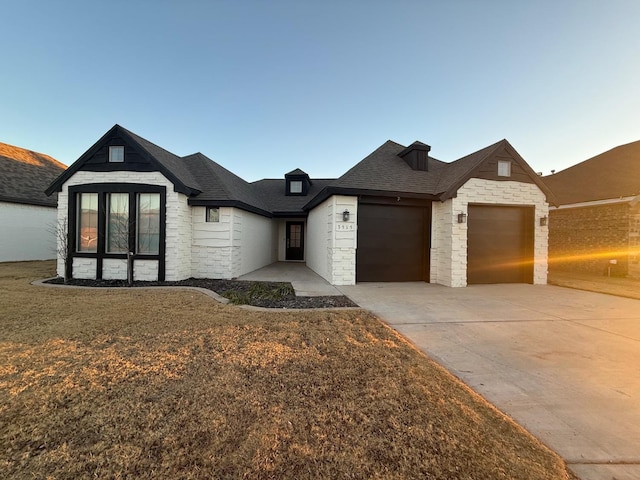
(596, 227)
(398, 215)
(27, 215)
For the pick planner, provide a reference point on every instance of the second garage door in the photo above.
(393, 243)
(500, 244)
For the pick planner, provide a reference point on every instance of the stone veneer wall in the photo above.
(239, 243)
(449, 238)
(585, 239)
(332, 242)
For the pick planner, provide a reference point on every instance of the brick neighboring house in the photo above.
(397, 215)
(596, 226)
(27, 215)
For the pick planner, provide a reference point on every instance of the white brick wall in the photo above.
(178, 246)
(319, 228)
(114, 269)
(239, 243)
(334, 239)
(441, 260)
(84, 268)
(449, 238)
(145, 270)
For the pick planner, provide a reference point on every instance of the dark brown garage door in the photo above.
(393, 243)
(500, 244)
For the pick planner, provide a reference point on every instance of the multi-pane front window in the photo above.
(118, 223)
(148, 223)
(87, 222)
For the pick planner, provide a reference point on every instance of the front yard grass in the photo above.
(169, 384)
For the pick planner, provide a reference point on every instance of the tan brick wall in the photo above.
(585, 239)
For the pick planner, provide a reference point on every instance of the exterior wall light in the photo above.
(543, 221)
(345, 216)
(462, 217)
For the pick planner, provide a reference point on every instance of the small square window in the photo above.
(213, 214)
(116, 154)
(295, 186)
(504, 168)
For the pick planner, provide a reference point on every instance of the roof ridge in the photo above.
(137, 137)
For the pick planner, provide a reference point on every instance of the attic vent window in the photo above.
(116, 154)
(295, 186)
(504, 168)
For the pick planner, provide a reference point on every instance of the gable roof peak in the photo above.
(297, 171)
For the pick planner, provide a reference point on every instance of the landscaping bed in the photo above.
(239, 292)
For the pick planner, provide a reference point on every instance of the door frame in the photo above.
(287, 248)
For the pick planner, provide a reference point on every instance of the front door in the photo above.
(295, 241)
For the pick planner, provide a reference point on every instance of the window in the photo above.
(213, 214)
(116, 154)
(118, 223)
(295, 186)
(148, 224)
(504, 168)
(87, 240)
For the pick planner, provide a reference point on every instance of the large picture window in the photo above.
(87, 222)
(118, 223)
(148, 222)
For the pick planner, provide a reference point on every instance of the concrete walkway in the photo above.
(563, 363)
(305, 281)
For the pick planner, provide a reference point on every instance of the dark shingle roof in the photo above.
(384, 171)
(217, 184)
(459, 170)
(168, 160)
(273, 193)
(610, 175)
(25, 175)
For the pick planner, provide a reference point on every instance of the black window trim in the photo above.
(103, 189)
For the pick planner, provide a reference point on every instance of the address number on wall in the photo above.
(345, 226)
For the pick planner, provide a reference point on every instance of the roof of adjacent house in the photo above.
(25, 175)
(613, 174)
(383, 172)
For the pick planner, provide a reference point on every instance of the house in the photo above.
(27, 215)
(596, 226)
(398, 215)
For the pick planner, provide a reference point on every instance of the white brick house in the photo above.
(398, 215)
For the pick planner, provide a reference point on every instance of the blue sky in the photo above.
(263, 87)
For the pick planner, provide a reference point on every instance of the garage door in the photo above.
(500, 244)
(393, 243)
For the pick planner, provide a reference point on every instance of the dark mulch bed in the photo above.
(258, 294)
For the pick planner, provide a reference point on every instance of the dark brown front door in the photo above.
(500, 244)
(295, 241)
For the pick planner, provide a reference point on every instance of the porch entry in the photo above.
(295, 241)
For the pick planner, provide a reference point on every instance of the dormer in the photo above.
(416, 155)
(297, 183)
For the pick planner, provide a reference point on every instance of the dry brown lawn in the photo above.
(169, 384)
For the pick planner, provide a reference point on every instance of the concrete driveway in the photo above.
(564, 363)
